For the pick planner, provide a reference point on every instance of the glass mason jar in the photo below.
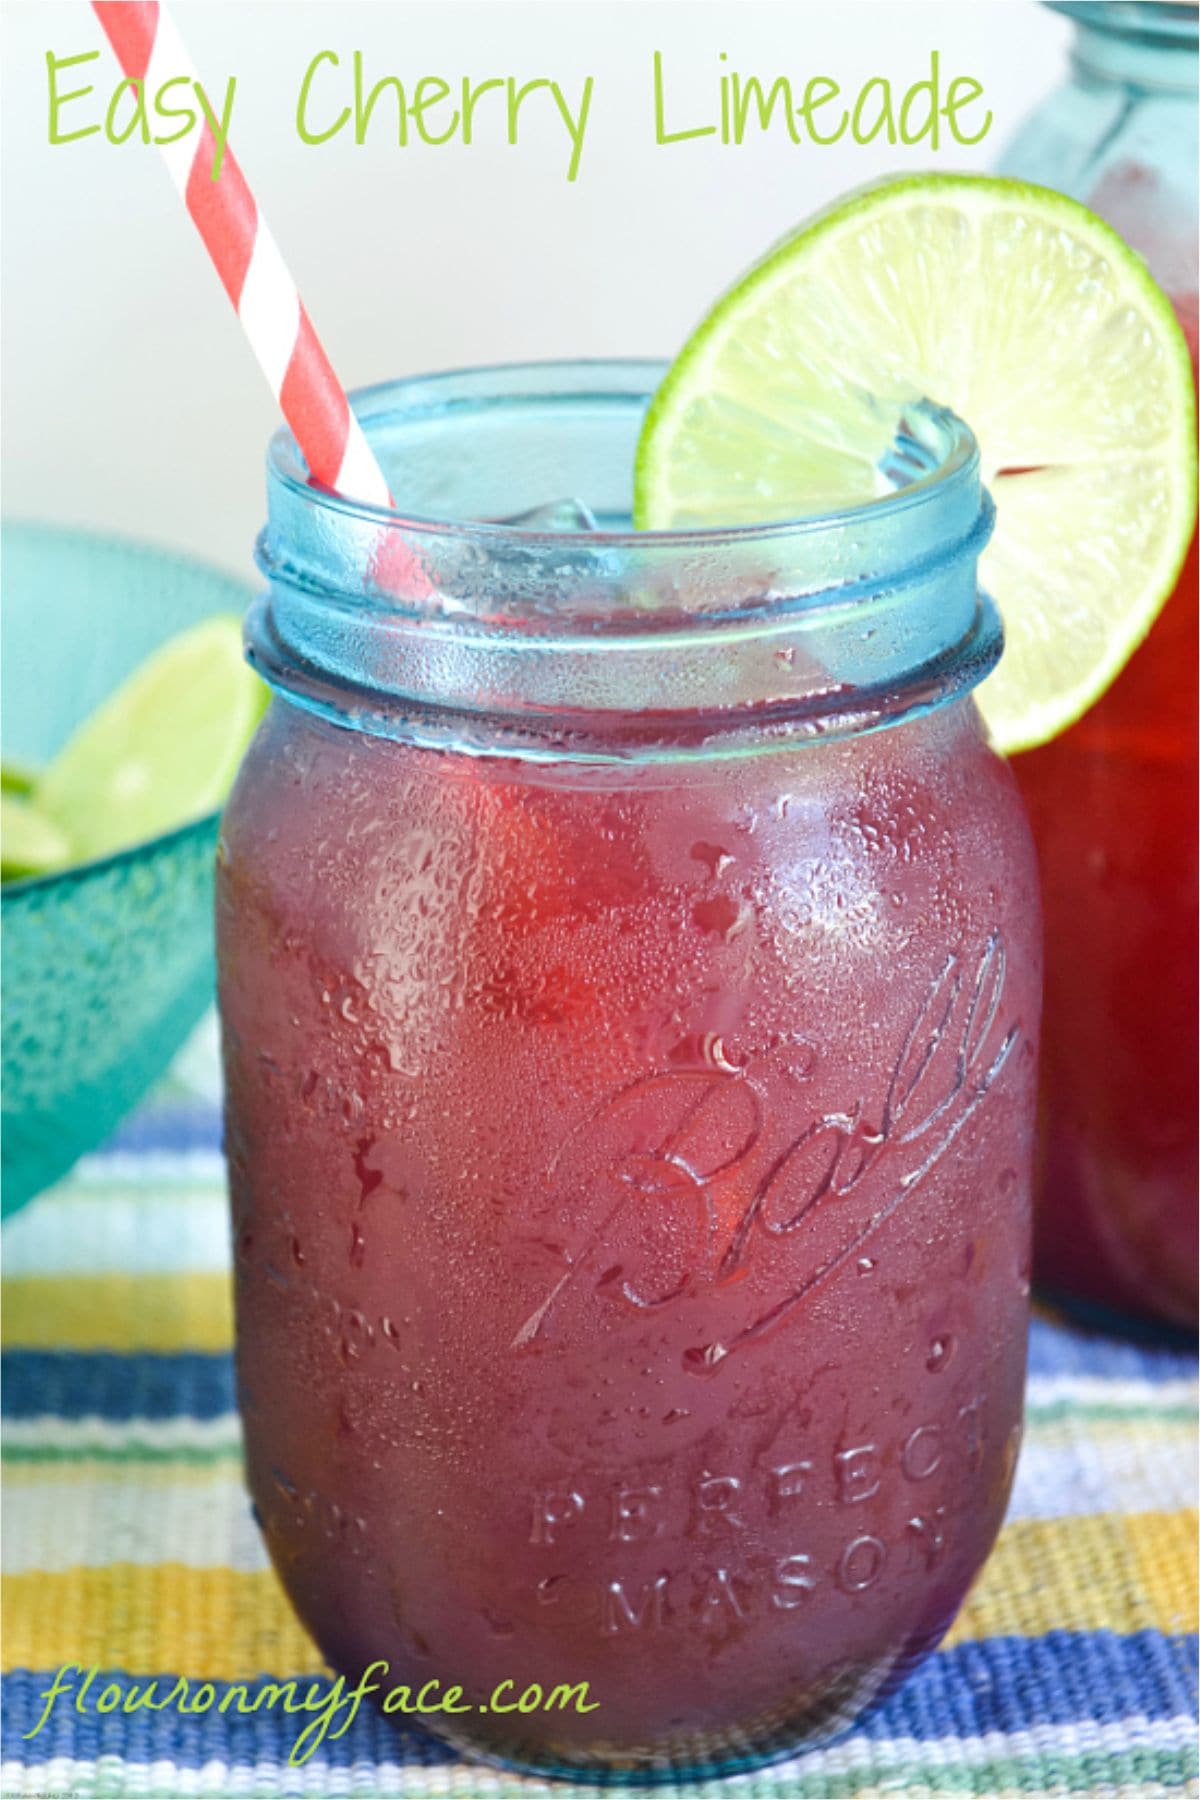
(629, 972)
(1113, 801)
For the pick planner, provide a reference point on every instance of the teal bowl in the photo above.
(107, 966)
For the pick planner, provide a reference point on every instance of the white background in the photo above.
(131, 402)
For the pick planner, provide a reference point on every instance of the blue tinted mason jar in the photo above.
(1114, 800)
(1120, 133)
(629, 975)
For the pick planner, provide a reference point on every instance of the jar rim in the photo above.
(374, 406)
(1162, 24)
(404, 622)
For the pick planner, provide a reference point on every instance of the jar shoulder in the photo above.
(316, 804)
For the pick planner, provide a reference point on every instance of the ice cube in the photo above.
(554, 515)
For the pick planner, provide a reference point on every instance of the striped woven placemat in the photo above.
(129, 1546)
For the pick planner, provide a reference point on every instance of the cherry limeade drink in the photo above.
(1113, 800)
(630, 1109)
(1113, 804)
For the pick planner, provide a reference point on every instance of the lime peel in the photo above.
(30, 844)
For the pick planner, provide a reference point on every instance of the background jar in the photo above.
(1113, 801)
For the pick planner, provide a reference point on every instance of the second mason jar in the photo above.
(1113, 800)
(629, 958)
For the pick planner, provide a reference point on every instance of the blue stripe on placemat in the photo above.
(174, 1125)
(1007, 1684)
(1059, 1348)
(72, 1384)
(1004, 1685)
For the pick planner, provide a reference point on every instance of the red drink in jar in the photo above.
(1113, 801)
(630, 1087)
(1113, 804)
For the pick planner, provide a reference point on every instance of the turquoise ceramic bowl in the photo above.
(108, 966)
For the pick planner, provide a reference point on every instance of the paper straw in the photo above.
(252, 271)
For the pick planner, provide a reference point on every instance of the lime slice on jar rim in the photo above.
(162, 750)
(1026, 315)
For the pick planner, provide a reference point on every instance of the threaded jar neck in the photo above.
(441, 623)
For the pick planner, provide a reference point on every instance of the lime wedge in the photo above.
(29, 843)
(17, 778)
(161, 750)
(1027, 316)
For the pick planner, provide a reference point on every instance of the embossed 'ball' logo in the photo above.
(685, 1190)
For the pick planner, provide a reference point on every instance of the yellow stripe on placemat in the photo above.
(209, 1623)
(1122, 1574)
(138, 1474)
(119, 1312)
(1168, 1565)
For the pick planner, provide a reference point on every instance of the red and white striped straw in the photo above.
(254, 275)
